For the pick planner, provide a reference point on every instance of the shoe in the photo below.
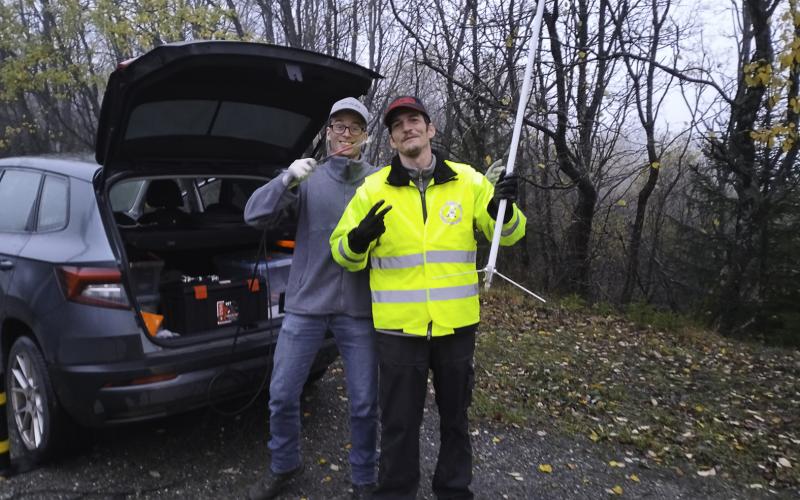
(272, 485)
(363, 491)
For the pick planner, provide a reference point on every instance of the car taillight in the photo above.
(97, 286)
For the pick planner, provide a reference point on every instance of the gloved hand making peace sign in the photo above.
(370, 228)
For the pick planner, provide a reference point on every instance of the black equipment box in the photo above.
(200, 305)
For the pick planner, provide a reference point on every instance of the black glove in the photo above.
(370, 227)
(505, 189)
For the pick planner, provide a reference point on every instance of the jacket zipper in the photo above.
(422, 188)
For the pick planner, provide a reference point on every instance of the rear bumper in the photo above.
(99, 395)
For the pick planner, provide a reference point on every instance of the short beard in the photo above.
(413, 152)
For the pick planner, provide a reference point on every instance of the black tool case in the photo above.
(202, 305)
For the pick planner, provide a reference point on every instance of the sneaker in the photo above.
(363, 491)
(272, 485)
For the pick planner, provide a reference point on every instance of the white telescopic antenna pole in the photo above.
(524, 95)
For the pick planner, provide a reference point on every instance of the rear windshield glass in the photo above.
(238, 120)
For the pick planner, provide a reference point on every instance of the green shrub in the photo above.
(647, 315)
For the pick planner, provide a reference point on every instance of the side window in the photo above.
(53, 204)
(18, 189)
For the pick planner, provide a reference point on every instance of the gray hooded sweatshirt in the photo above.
(317, 284)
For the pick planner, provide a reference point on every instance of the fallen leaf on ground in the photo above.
(546, 468)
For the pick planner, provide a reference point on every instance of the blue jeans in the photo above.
(298, 342)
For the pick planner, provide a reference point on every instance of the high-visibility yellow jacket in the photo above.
(423, 277)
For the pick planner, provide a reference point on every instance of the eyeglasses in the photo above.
(354, 129)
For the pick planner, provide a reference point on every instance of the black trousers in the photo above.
(404, 363)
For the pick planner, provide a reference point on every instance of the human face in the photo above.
(344, 143)
(410, 135)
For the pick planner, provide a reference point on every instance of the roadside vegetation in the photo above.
(665, 391)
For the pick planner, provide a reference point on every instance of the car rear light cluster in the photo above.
(97, 286)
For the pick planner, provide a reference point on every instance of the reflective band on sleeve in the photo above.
(400, 262)
(454, 292)
(4, 446)
(385, 296)
(2, 398)
(344, 254)
(510, 231)
(450, 256)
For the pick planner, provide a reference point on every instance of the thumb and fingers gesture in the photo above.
(370, 228)
(373, 212)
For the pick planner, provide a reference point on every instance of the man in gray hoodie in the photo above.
(321, 296)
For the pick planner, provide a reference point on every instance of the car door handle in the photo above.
(6, 265)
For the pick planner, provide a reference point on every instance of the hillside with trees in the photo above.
(626, 205)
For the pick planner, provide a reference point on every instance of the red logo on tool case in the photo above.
(227, 311)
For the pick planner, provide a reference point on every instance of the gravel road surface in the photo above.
(204, 454)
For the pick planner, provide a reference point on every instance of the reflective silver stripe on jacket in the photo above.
(386, 296)
(451, 256)
(433, 257)
(510, 231)
(446, 293)
(344, 254)
(400, 262)
(454, 292)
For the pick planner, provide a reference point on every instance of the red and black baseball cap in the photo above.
(404, 102)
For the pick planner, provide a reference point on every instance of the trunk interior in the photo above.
(195, 268)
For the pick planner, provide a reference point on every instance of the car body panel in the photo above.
(10, 246)
(199, 381)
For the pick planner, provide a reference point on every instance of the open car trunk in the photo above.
(173, 118)
(195, 269)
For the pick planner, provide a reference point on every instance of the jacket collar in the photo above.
(398, 175)
(344, 169)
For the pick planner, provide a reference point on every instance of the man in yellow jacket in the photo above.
(414, 223)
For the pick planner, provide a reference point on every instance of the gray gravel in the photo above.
(203, 454)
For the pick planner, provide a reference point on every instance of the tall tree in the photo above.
(756, 156)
